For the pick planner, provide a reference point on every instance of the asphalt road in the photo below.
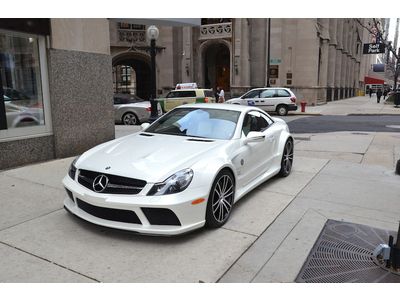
(367, 123)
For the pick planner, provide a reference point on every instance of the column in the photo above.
(323, 70)
(338, 67)
(331, 59)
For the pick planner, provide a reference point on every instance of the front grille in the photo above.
(111, 214)
(116, 184)
(161, 216)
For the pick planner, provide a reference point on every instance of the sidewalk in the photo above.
(355, 105)
(341, 176)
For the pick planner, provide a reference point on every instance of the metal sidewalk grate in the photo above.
(343, 253)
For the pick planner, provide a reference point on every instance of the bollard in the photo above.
(303, 106)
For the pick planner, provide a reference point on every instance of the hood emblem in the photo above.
(100, 183)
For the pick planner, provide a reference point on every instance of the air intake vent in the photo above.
(111, 214)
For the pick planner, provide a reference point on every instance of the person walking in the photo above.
(385, 93)
(370, 92)
(221, 95)
(378, 95)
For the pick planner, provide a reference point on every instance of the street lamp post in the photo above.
(152, 35)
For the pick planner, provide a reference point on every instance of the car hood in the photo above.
(151, 158)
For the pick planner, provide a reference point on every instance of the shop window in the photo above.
(24, 101)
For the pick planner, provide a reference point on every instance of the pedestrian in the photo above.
(378, 95)
(385, 93)
(221, 95)
(370, 92)
(216, 94)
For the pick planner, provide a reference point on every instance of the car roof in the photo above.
(177, 90)
(270, 88)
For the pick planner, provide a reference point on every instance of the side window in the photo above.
(251, 122)
(267, 93)
(208, 93)
(186, 94)
(283, 93)
(252, 94)
(255, 121)
(172, 95)
(265, 122)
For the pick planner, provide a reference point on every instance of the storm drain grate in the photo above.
(343, 253)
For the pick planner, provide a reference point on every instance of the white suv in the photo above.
(279, 100)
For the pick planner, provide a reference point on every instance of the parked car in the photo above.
(184, 171)
(132, 110)
(279, 100)
(186, 96)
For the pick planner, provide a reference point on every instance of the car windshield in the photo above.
(197, 122)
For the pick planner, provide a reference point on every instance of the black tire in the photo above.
(287, 159)
(219, 207)
(130, 118)
(282, 110)
(398, 167)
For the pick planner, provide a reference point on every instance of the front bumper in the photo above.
(102, 209)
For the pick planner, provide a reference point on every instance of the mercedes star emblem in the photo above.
(100, 183)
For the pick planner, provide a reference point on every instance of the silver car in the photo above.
(132, 110)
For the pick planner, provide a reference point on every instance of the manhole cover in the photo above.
(343, 253)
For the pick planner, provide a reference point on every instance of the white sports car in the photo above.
(184, 171)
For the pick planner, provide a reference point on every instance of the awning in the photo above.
(371, 80)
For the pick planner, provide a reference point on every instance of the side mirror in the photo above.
(145, 126)
(254, 137)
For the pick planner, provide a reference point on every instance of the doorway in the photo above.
(217, 67)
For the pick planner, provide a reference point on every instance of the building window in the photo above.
(24, 102)
(124, 79)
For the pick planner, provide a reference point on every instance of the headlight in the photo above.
(72, 169)
(173, 184)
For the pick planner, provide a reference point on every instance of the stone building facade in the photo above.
(55, 88)
(319, 59)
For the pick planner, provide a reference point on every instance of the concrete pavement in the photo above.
(341, 176)
(355, 105)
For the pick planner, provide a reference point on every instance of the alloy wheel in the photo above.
(129, 119)
(287, 158)
(222, 199)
